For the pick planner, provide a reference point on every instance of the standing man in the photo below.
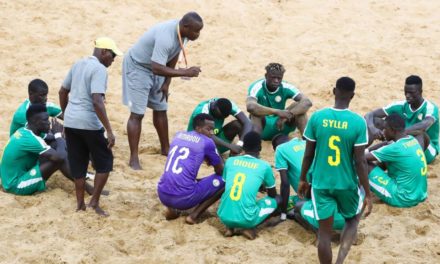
(335, 136)
(146, 76)
(37, 91)
(178, 187)
(85, 120)
(420, 115)
(220, 109)
(266, 102)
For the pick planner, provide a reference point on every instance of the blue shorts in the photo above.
(203, 190)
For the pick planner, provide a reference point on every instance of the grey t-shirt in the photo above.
(86, 77)
(159, 44)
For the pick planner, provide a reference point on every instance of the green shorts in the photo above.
(266, 207)
(30, 182)
(430, 153)
(386, 188)
(327, 202)
(308, 214)
(221, 135)
(270, 128)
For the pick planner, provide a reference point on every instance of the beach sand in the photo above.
(378, 44)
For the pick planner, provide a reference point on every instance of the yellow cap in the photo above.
(107, 43)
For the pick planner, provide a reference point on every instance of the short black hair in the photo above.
(345, 84)
(279, 139)
(252, 141)
(224, 105)
(199, 120)
(275, 68)
(35, 109)
(413, 79)
(37, 85)
(395, 122)
(191, 16)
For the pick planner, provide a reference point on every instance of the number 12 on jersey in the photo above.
(184, 153)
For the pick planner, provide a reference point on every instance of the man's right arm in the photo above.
(63, 95)
(369, 118)
(99, 106)
(254, 108)
(361, 170)
(163, 70)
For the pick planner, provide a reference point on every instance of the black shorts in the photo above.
(82, 144)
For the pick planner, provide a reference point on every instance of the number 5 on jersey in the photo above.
(334, 161)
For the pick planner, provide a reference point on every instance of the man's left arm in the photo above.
(300, 105)
(420, 127)
(245, 122)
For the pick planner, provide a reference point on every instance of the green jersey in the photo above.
(243, 176)
(427, 109)
(289, 156)
(276, 99)
(19, 119)
(203, 107)
(20, 155)
(406, 166)
(336, 133)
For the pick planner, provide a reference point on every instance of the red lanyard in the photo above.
(182, 47)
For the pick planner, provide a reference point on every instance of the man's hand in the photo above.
(110, 139)
(284, 114)
(303, 186)
(164, 90)
(367, 206)
(235, 148)
(192, 71)
(280, 123)
(377, 134)
(57, 127)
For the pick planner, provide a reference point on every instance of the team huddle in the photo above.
(335, 164)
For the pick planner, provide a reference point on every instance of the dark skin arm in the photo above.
(361, 170)
(59, 153)
(301, 105)
(99, 106)
(63, 95)
(219, 168)
(165, 86)
(285, 190)
(219, 142)
(420, 127)
(254, 108)
(245, 122)
(309, 155)
(163, 70)
(369, 118)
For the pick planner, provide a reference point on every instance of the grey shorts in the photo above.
(141, 88)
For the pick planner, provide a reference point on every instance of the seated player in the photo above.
(220, 109)
(239, 207)
(420, 115)
(266, 103)
(37, 90)
(178, 188)
(404, 182)
(27, 161)
(288, 161)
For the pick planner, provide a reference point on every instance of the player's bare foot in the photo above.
(99, 210)
(190, 220)
(250, 234)
(229, 232)
(81, 206)
(171, 214)
(134, 163)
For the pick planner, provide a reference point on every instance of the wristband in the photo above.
(240, 143)
(283, 216)
(57, 135)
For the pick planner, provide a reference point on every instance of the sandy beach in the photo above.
(376, 43)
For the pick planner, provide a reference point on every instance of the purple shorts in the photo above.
(203, 189)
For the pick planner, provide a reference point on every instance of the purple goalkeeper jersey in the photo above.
(187, 152)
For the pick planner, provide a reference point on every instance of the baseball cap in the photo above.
(107, 43)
